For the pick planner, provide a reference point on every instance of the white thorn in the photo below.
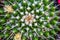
(45, 23)
(43, 26)
(23, 24)
(12, 26)
(19, 4)
(37, 16)
(27, 28)
(40, 3)
(34, 29)
(37, 10)
(21, 13)
(16, 24)
(41, 20)
(30, 24)
(21, 7)
(33, 4)
(22, 20)
(35, 24)
(34, 20)
(32, 11)
(26, 12)
(14, 12)
(24, 1)
(22, 31)
(28, 8)
(17, 17)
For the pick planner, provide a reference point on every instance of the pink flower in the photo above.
(58, 1)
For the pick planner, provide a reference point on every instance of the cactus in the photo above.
(29, 19)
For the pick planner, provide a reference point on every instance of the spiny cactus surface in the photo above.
(28, 19)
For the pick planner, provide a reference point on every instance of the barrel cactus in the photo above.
(28, 19)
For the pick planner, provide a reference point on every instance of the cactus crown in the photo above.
(29, 19)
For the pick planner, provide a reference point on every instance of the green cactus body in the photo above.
(31, 18)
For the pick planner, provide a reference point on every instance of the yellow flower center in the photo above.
(29, 18)
(17, 36)
(8, 8)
